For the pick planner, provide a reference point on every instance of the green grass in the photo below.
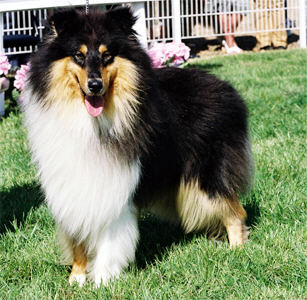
(170, 265)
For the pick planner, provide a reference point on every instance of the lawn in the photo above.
(170, 265)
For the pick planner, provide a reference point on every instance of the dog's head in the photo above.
(94, 57)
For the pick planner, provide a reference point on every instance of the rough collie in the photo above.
(111, 136)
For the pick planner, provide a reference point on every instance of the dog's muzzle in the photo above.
(95, 86)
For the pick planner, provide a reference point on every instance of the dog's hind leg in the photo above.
(234, 222)
(200, 212)
(79, 265)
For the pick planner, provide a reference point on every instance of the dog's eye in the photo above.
(106, 58)
(79, 58)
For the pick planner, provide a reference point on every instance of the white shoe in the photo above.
(231, 50)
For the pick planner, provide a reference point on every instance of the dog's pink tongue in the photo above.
(94, 105)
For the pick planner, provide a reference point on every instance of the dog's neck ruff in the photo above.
(69, 153)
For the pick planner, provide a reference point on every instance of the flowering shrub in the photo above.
(21, 76)
(19, 83)
(165, 54)
(4, 68)
(4, 64)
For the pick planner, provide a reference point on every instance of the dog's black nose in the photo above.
(95, 85)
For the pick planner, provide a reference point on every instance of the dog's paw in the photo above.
(78, 278)
(105, 277)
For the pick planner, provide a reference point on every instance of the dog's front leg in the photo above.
(116, 246)
(79, 265)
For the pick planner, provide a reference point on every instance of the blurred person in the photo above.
(230, 13)
(270, 24)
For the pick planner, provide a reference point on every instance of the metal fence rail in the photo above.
(161, 20)
(168, 20)
(27, 23)
(202, 18)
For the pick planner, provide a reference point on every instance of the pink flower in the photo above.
(21, 76)
(183, 51)
(173, 53)
(4, 64)
(170, 49)
(156, 55)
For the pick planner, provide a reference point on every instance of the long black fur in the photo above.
(190, 124)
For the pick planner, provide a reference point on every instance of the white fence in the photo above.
(168, 20)
(25, 24)
(202, 18)
(22, 21)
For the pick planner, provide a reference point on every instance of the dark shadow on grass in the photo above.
(206, 67)
(156, 236)
(253, 211)
(16, 203)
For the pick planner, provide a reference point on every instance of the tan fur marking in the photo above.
(120, 80)
(102, 48)
(79, 264)
(53, 29)
(83, 49)
(65, 75)
(237, 208)
(197, 211)
(237, 232)
(235, 223)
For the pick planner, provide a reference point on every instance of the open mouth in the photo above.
(94, 103)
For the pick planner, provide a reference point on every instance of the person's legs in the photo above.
(279, 37)
(228, 24)
(262, 24)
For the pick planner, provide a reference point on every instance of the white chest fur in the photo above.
(86, 185)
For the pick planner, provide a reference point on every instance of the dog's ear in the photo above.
(63, 20)
(122, 17)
